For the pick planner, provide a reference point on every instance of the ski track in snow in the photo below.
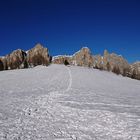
(68, 103)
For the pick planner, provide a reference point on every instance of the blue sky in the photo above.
(64, 26)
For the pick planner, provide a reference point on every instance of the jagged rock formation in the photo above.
(134, 71)
(19, 59)
(115, 61)
(136, 65)
(83, 58)
(80, 58)
(16, 59)
(98, 63)
(61, 59)
(110, 62)
(38, 56)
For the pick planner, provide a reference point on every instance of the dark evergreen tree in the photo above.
(125, 71)
(50, 59)
(108, 66)
(66, 62)
(116, 70)
(134, 74)
(1, 65)
(96, 66)
(101, 67)
(25, 64)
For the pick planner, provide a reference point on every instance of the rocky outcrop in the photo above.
(38, 56)
(136, 65)
(15, 60)
(115, 61)
(135, 70)
(109, 62)
(80, 58)
(120, 62)
(112, 62)
(98, 63)
(61, 59)
(83, 58)
(19, 59)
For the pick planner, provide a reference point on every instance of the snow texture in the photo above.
(68, 103)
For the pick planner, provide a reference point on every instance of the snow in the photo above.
(27, 51)
(68, 103)
(58, 56)
(2, 57)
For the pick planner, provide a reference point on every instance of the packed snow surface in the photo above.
(68, 103)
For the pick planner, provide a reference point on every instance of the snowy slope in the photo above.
(68, 103)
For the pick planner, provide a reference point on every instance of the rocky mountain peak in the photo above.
(106, 53)
(38, 46)
(85, 49)
(83, 57)
(38, 55)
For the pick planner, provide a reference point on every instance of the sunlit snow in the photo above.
(68, 103)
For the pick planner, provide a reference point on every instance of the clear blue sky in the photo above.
(64, 26)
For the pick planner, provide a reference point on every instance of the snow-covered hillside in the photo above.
(68, 103)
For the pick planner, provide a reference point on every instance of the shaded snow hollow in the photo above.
(68, 103)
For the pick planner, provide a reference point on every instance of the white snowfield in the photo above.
(68, 103)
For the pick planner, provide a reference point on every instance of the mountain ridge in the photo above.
(39, 55)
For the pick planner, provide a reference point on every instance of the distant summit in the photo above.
(21, 59)
(81, 58)
(39, 55)
(109, 62)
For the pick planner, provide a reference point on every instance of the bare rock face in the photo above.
(83, 58)
(110, 62)
(19, 59)
(38, 56)
(58, 60)
(120, 62)
(62, 59)
(15, 60)
(1, 65)
(98, 63)
(80, 58)
(106, 59)
(114, 61)
(135, 71)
